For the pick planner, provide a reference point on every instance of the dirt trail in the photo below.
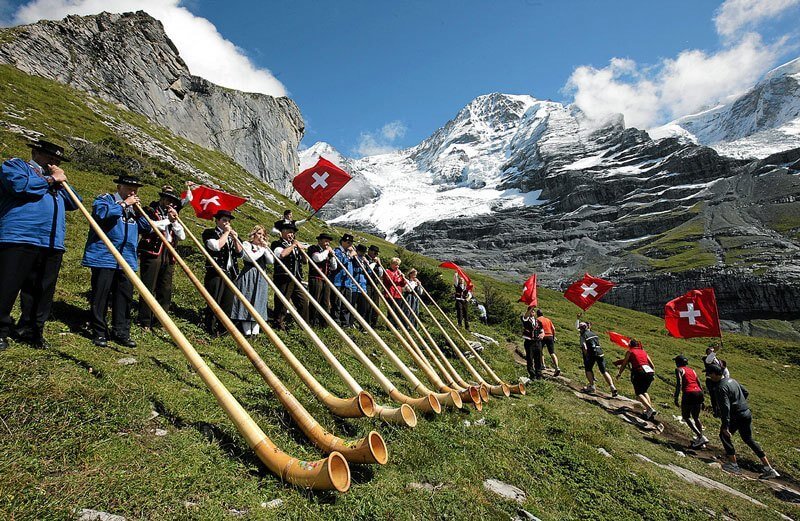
(675, 437)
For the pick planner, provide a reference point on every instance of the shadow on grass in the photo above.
(216, 362)
(80, 363)
(175, 373)
(75, 318)
(233, 448)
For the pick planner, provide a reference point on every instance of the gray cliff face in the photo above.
(128, 59)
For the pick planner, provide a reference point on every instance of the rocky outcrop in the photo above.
(127, 59)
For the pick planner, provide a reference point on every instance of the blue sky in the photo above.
(375, 75)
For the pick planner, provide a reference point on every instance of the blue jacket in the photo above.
(359, 275)
(31, 211)
(122, 230)
(340, 279)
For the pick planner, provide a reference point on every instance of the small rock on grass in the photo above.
(604, 452)
(87, 514)
(235, 512)
(680, 453)
(524, 515)
(159, 432)
(425, 486)
(191, 505)
(275, 503)
(505, 490)
(127, 361)
(482, 421)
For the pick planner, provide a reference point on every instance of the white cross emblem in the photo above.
(691, 313)
(589, 290)
(320, 180)
(213, 200)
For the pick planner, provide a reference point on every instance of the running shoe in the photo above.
(557, 372)
(769, 473)
(731, 467)
(698, 442)
(588, 389)
(614, 393)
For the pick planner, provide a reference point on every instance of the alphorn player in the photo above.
(32, 230)
(322, 255)
(251, 284)
(375, 272)
(286, 249)
(344, 257)
(119, 217)
(222, 243)
(394, 281)
(156, 265)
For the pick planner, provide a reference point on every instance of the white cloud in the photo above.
(734, 15)
(382, 141)
(690, 82)
(206, 52)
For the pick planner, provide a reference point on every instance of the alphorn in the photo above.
(360, 405)
(330, 473)
(486, 387)
(417, 386)
(403, 415)
(469, 394)
(428, 403)
(371, 449)
(516, 389)
(447, 395)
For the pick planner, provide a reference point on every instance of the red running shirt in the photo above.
(689, 381)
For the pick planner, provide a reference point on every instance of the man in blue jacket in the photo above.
(344, 257)
(32, 230)
(119, 217)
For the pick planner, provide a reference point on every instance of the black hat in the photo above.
(681, 360)
(714, 369)
(224, 213)
(170, 193)
(346, 238)
(286, 225)
(128, 179)
(324, 236)
(374, 248)
(49, 148)
(361, 248)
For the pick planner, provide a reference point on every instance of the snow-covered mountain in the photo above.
(760, 122)
(514, 185)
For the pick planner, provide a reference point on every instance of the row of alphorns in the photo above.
(331, 472)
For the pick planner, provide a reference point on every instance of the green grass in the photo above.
(76, 433)
(679, 249)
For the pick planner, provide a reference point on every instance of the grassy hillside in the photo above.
(77, 427)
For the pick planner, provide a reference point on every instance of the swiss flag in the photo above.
(529, 296)
(208, 201)
(587, 291)
(620, 340)
(693, 314)
(320, 182)
(457, 268)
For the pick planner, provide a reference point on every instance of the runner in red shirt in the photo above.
(642, 375)
(549, 338)
(692, 403)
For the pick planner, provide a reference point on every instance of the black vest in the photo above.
(225, 255)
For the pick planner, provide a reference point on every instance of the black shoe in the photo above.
(100, 341)
(3, 343)
(125, 341)
(40, 343)
(557, 372)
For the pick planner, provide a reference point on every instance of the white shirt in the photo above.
(252, 253)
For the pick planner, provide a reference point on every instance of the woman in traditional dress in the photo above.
(251, 283)
(412, 292)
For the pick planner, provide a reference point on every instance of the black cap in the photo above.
(681, 360)
(374, 248)
(539, 313)
(49, 148)
(224, 213)
(361, 248)
(714, 369)
(324, 236)
(346, 238)
(170, 193)
(286, 225)
(128, 179)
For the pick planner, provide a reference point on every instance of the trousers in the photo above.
(110, 286)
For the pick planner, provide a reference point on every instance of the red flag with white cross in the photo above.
(587, 291)
(529, 296)
(207, 201)
(620, 340)
(693, 315)
(320, 182)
